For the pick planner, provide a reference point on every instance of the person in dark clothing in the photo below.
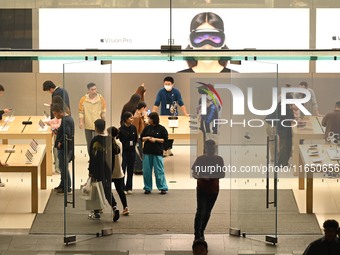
(329, 244)
(117, 172)
(64, 142)
(284, 131)
(332, 121)
(128, 137)
(100, 166)
(199, 247)
(282, 124)
(56, 90)
(154, 137)
(131, 106)
(207, 186)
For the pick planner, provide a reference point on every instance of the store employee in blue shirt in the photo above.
(168, 98)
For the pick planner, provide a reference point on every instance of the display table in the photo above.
(312, 130)
(18, 163)
(16, 130)
(183, 131)
(314, 159)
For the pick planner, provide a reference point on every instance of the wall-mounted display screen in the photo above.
(150, 28)
(327, 37)
(15, 33)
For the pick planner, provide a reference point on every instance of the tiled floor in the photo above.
(15, 218)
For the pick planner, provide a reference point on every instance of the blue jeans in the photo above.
(156, 162)
(205, 203)
(65, 178)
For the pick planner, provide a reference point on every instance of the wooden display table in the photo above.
(311, 131)
(183, 131)
(16, 130)
(18, 163)
(310, 163)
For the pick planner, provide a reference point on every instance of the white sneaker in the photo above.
(169, 152)
(129, 192)
(2, 184)
(126, 211)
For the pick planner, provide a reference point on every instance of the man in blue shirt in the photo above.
(168, 98)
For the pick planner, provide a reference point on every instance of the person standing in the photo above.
(128, 137)
(207, 186)
(117, 172)
(131, 105)
(64, 143)
(285, 133)
(92, 106)
(55, 90)
(167, 99)
(138, 122)
(312, 105)
(154, 137)
(329, 244)
(141, 90)
(5, 110)
(100, 166)
(332, 121)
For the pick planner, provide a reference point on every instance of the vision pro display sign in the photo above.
(148, 29)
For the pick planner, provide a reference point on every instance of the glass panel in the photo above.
(249, 98)
(88, 93)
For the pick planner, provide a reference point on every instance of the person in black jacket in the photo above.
(285, 133)
(100, 166)
(128, 137)
(154, 137)
(55, 90)
(329, 244)
(64, 143)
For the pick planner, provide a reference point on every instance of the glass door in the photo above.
(88, 84)
(250, 145)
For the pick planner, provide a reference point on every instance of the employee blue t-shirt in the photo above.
(166, 98)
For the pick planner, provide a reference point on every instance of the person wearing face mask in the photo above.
(207, 33)
(167, 100)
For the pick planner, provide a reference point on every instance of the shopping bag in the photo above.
(86, 190)
(98, 199)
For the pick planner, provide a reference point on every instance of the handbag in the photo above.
(117, 172)
(98, 200)
(86, 190)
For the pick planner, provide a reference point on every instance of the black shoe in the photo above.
(61, 191)
(147, 192)
(163, 192)
(116, 214)
(94, 216)
(58, 187)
